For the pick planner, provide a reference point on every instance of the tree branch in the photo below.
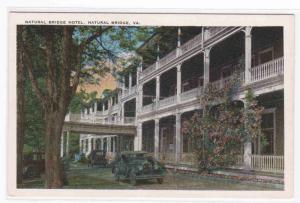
(28, 61)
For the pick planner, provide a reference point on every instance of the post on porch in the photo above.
(138, 137)
(130, 81)
(178, 83)
(178, 49)
(95, 107)
(68, 144)
(108, 145)
(62, 144)
(122, 112)
(156, 138)
(247, 155)
(178, 138)
(102, 143)
(89, 145)
(157, 90)
(206, 66)
(248, 54)
(94, 143)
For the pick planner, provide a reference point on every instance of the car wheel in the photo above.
(160, 180)
(132, 178)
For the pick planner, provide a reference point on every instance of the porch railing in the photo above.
(129, 120)
(214, 31)
(148, 108)
(115, 107)
(129, 91)
(192, 43)
(267, 70)
(269, 163)
(148, 70)
(169, 57)
(167, 101)
(191, 94)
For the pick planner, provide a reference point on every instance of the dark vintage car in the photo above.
(138, 166)
(97, 157)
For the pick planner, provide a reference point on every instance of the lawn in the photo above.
(83, 177)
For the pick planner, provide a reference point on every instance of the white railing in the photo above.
(167, 101)
(194, 42)
(148, 70)
(129, 120)
(214, 31)
(267, 70)
(132, 89)
(115, 107)
(191, 94)
(129, 91)
(166, 59)
(269, 163)
(148, 108)
(219, 84)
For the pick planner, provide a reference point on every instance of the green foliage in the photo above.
(34, 123)
(81, 99)
(220, 131)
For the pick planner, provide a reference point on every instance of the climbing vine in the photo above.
(218, 132)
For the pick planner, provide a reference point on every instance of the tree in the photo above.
(67, 55)
(20, 107)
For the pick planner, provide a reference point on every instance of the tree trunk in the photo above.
(20, 113)
(53, 168)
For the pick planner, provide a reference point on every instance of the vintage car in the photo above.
(97, 157)
(138, 166)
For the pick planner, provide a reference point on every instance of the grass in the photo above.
(82, 177)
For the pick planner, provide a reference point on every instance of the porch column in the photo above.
(138, 137)
(178, 138)
(89, 145)
(80, 145)
(67, 144)
(248, 54)
(95, 107)
(247, 155)
(130, 82)
(108, 145)
(206, 67)
(62, 145)
(156, 138)
(114, 144)
(178, 83)
(122, 112)
(103, 106)
(94, 143)
(178, 49)
(102, 143)
(157, 90)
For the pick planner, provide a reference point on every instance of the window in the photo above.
(266, 55)
(268, 127)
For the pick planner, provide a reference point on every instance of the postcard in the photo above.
(150, 105)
